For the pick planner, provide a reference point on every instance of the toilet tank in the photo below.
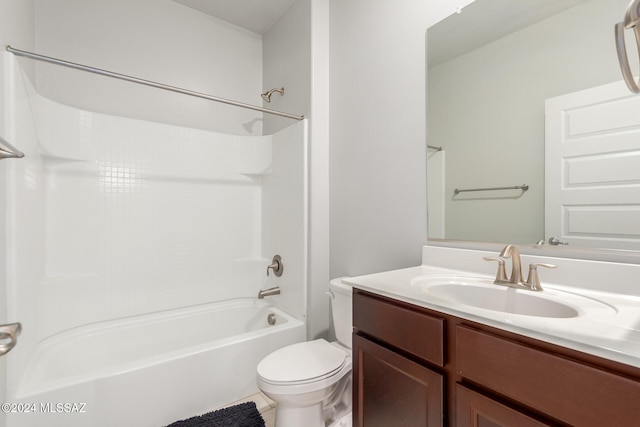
(342, 310)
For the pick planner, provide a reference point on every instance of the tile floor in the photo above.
(266, 407)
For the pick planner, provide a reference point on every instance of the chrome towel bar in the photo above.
(523, 187)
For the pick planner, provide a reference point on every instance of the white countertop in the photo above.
(612, 334)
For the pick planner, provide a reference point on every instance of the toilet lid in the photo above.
(302, 362)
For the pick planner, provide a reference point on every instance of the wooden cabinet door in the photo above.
(568, 390)
(475, 410)
(391, 390)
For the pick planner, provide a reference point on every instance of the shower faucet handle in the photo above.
(276, 266)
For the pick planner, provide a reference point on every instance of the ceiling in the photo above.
(484, 21)
(254, 15)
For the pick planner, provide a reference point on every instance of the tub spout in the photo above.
(268, 292)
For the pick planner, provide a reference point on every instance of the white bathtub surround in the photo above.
(152, 370)
(114, 221)
(613, 333)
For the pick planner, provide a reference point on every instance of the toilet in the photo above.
(311, 381)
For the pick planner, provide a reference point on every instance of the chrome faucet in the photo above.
(268, 292)
(512, 252)
(533, 281)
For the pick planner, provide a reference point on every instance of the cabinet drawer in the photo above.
(565, 389)
(409, 330)
(474, 409)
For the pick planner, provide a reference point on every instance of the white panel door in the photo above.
(592, 168)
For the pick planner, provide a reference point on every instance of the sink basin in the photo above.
(484, 294)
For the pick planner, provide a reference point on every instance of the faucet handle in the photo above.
(276, 266)
(501, 275)
(533, 281)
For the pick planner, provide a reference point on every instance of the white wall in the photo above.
(286, 61)
(16, 28)
(157, 40)
(378, 143)
(491, 120)
(296, 56)
(318, 303)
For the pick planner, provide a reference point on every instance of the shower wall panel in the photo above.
(142, 216)
(285, 216)
(112, 217)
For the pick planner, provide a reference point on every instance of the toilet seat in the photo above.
(302, 363)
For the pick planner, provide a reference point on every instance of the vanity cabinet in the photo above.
(393, 383)
(419, 367)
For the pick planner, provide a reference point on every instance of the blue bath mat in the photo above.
(242, 415)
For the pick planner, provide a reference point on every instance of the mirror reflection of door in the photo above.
(593, 167)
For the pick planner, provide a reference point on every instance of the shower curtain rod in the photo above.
(8, 151)
(106, 73)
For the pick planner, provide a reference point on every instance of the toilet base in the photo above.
(293, 416)
(345, 421)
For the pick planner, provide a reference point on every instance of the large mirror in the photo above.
(491, 69)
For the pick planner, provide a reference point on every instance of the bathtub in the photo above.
(151, 370)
